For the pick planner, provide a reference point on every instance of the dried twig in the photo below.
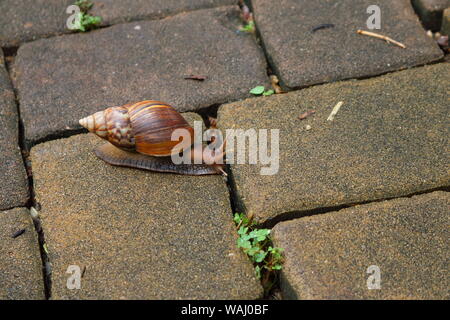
(379, 36)
(334, 111)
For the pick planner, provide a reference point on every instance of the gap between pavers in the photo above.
(62, 79)
(403, 241)
(27, 20)
(388, 139)
(138, 234)
(21, 275)
(14, 184)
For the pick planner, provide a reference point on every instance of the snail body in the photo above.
(139, 136)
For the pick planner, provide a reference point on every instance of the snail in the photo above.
(139, 136)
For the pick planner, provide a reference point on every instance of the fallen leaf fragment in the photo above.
(306, 114)
(274, 81)
(193, 77)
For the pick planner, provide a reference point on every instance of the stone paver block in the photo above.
(20, 264)
(327, 256)
(445, 29)
(430, 12)
(113, 11)
(302, 57)
(139, 234)
(26, 20)
(62, 79)
(13, 186)
(389, 139)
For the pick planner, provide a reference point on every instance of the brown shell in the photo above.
(153, 123)
(118, 127)
(145, 127)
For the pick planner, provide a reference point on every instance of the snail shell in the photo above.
(140, 137)
(145, 127)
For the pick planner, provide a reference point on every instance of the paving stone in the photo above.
(327, 256)
(14, 186)
(430, 12)
(20, 265)
(62, 79)
(445, 29)
(26, 20)
(387, 140)
(301, 57)
(140, 235)
(113, 11)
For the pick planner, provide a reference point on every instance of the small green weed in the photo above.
(260, 90)
(256, 243)
(268, 92)
(248, 27)
(86, 22)
(84, 5)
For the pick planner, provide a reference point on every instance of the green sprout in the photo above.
(256, 243)
(248, 27)
(85, 21)
(84, 5)
(260, 90)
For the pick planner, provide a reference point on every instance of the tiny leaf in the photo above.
(259, 257)
(242, 243)
(252, 251)
(257, 90)
(242, 230)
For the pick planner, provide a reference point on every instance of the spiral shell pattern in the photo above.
(145, 127)
(112, 124)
